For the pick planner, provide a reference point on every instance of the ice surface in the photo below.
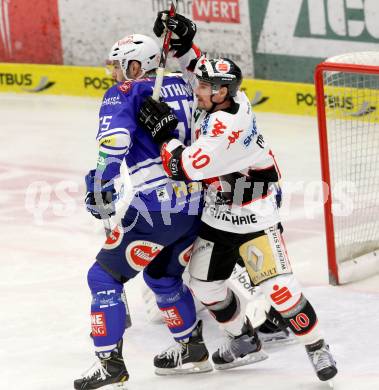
(44, 300)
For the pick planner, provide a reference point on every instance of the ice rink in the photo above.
(48, 241)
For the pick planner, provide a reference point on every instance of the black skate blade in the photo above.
(188, 368)
(248, 359)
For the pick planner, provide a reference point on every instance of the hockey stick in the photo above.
(108, 232)
(107, 227)
(164, 54)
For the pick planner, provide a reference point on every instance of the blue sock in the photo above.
(108, 313)
(175, 300)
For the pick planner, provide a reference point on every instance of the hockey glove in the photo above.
(183, 28)
(100, 196)
(158, 119)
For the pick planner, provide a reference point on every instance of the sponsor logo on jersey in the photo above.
(234, 137)
(279, 250)
(281, 295)
(204, 124)
(108, 141)
(101, 160)
(171, 317)
(111, 101)
(201, 246)
(185, 256)
(162, 194)
(219, 11)
(114, 239)
(98, 325)
(217, 128)
(253, 131)
(255, 258)
(244, 281)
(225, 215)
(140, 253)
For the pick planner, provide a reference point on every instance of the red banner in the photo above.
(221, 11)
(30, 31)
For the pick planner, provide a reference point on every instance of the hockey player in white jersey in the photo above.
(241, 215)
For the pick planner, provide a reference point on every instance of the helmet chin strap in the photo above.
(214, 105)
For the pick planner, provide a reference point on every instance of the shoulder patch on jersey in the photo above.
(126, 86)
(218, 128)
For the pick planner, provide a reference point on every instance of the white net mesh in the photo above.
(352, 113)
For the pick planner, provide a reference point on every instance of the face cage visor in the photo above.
(214, 87)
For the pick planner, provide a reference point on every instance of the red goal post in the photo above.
(347, 93)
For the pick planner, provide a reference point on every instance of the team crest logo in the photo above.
(126, 86)
(222, 67)
(114, 239)
(140, 253)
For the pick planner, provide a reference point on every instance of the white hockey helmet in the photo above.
(136, 47)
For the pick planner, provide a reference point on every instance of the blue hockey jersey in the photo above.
(120, 137)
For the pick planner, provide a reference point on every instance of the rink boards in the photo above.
(265, 95)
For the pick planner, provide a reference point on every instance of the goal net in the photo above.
(347, 91)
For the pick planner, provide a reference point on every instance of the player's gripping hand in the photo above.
(158, 119)
(100, 197)
(184, 31)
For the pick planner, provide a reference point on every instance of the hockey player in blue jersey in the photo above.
(158, 229)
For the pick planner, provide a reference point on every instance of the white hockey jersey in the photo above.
(230, 148)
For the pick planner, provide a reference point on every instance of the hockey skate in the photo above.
(188, 357)
(271, 334)
(107, 373)
(322, 360)
(239, 350)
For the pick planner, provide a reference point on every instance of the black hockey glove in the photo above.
(100, 197)
(183, 28)
(158, 119)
